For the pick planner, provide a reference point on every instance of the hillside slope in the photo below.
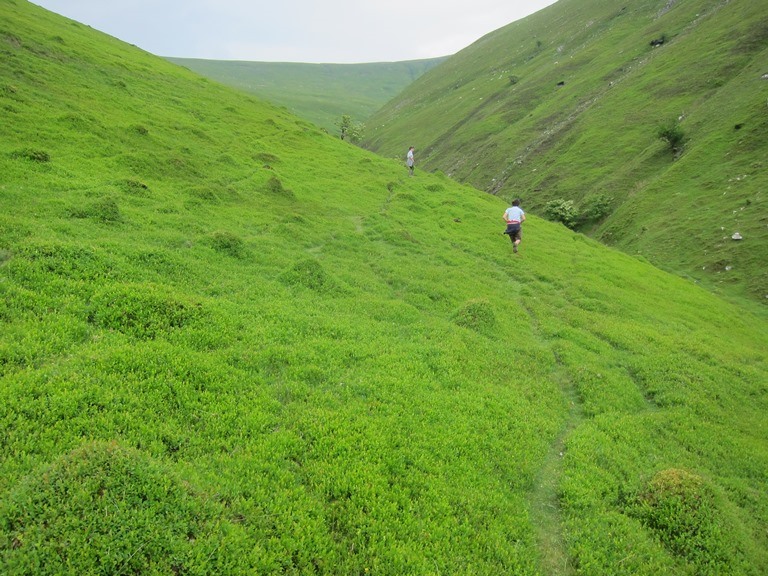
(232, 344)
(567, 105)
(320, 93)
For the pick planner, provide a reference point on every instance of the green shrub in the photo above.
(227, 243)
(680, 508)
(140, 310)
(102, 508)
(102, 210)
(476, 315)
(673, 135)
(205, 193)
(561, 210)
(309, 273)
(71, 261)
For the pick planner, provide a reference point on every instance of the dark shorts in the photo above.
(515, 232)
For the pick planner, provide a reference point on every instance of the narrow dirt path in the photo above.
(545, 506)
(545, 511)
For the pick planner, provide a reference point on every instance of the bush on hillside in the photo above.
(477, 315)
(103, 508)
(561, 210)
(140, 310)
(227, 243)
(309, 273)
(71, 261)
(350, 130)
(102, 210)
(673, 135)
(680, 508)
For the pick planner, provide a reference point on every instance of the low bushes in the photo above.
(140, 310)
(681, 509)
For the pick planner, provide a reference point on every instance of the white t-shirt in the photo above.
(514, 214)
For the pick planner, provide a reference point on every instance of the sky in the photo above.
(312, 31)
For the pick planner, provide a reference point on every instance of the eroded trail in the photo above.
(545, 510)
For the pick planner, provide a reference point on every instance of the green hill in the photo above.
(321, 93)
(566, 106)
(233, 344)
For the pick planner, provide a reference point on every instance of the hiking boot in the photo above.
(514, 249)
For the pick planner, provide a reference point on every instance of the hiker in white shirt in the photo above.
(514, 217)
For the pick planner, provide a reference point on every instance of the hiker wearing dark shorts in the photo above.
(409, 161)
(514, 217)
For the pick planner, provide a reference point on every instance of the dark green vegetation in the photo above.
(321, 93)
(568, 105)
(232, 344)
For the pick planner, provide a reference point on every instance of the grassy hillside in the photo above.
(233, 344)
(567, 104)
(321, 93)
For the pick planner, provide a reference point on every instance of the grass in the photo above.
(233, 344)
(320, 93)
(582, 118)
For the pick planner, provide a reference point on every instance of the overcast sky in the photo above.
(328, 31)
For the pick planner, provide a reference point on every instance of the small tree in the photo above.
(673, 135)
(355, 133)
(349, 130)
(344, 125)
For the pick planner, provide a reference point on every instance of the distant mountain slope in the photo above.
(321, 93)
(232, 344)
(567, 105)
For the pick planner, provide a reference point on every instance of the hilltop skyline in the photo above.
(338, 31)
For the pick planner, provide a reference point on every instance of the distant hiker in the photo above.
(514, 217)
(409, 161)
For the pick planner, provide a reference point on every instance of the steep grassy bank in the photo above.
(232, 344)
(566, 106)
